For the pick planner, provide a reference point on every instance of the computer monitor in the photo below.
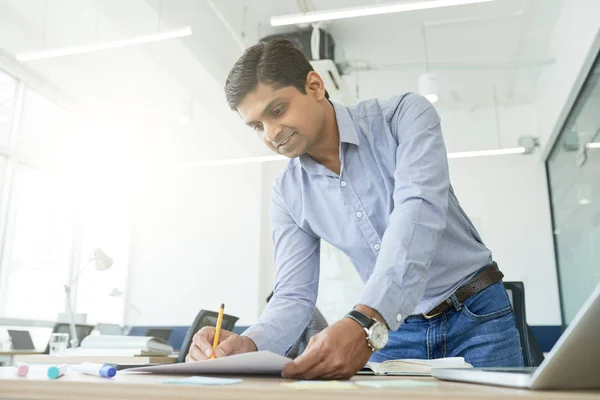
(21, 340)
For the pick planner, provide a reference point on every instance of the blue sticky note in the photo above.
(203, 380)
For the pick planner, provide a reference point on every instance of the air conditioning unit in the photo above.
(337, 88)
(319, 47)
(314, 43)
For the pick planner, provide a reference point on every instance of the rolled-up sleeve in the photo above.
(296, 282)
(419, 216)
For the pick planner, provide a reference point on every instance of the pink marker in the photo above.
(21, 369)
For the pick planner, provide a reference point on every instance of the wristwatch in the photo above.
(377, 332)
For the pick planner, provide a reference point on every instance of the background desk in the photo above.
(7, 357)
(130, 386)
(47, 359)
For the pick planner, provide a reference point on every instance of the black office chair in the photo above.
(82, 332)
(204, 318)
(532, 355)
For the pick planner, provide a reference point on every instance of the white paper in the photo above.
(253, 363)
(145, 343)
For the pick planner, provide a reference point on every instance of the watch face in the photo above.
(378, 336)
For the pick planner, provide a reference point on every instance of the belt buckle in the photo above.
(427, 316)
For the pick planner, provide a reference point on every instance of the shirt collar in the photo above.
(348, 134)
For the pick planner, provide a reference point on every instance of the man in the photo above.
(372, 180)
(316, 324)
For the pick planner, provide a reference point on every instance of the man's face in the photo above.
(286, 120)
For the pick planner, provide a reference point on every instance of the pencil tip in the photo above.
(222, 305)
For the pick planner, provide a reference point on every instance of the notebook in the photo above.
(413, 366)
(122, 346)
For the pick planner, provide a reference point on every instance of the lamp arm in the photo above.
(74, 339)
(79, 272)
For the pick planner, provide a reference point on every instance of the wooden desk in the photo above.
(70, 359)
(132, 386)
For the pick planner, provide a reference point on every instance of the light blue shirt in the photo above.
(391, 210)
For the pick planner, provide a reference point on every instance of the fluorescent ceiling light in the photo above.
(376, 9)
(232, 161)
(88, 48)
(483, 153)
(250, 160)
(593, 145)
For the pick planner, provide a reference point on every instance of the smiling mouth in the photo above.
(286, 140)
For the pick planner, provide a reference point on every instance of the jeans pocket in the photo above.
(490, 303)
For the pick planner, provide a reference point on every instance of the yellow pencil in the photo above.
(218, 330)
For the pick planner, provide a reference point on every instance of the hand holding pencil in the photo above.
(214, 342)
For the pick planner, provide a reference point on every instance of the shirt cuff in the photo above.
(385, 297)
(263, 341)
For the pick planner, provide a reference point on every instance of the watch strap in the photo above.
(363, 319)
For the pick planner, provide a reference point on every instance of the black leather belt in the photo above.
(484, 279)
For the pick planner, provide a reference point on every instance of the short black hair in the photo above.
(277, 63)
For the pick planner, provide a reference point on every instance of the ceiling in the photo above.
(473, 49)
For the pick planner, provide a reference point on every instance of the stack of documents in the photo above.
(253, 363)
(122, 346)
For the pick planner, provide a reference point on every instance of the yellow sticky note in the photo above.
(319, 385)
(394, 383)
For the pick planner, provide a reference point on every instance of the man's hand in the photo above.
(337, 352)
(229, 343)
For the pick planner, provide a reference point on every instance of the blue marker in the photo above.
(56, 371)
(103, 370)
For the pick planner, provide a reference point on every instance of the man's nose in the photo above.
(272, 132)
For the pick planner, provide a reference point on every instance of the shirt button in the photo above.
(377, 246)
(343, 183)
(359, 214)
(399, 317)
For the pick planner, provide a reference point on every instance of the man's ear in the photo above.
(315, 85)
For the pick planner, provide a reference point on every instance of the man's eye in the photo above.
(257, 127)
(278, 111)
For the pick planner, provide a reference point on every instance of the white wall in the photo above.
(507, 199)
(575, 43)
(505, 196)
(195, 244)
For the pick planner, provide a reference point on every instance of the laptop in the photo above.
(21, 340)
(573, 363)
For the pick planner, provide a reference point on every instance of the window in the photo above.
(2, 177)
(44, 131)
(7, 98)
(38, 250)
(574, 181)
(43, 232)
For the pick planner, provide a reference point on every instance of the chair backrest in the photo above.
(82, 332)
(204, 318)
(532, 355)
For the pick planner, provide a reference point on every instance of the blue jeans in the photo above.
(482, 330)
